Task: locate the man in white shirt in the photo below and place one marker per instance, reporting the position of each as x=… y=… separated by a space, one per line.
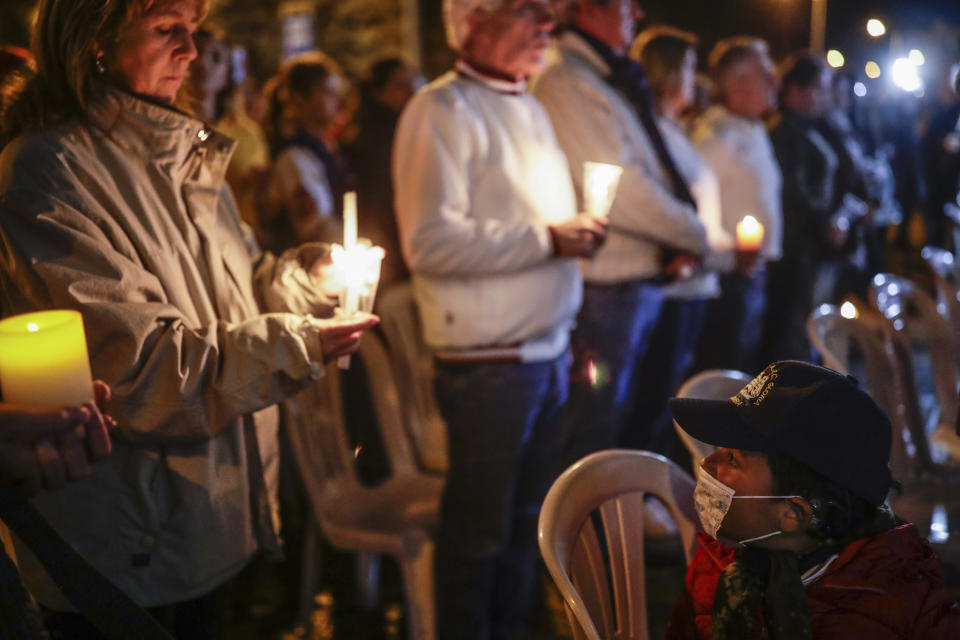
x=732 y=138
x=489 y=227
x=602 y=112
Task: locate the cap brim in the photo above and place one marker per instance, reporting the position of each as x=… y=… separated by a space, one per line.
x=716 y=422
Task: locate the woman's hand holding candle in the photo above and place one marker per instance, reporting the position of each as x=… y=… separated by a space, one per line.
x=579 y=237
x=340 y=335
x=45 y=448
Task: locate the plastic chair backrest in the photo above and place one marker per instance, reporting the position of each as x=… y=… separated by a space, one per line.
x=413 y=372
x=946 y=279
x=881 y=348
x=714 y=384
x=318 y=431
x=912 y=311
x=615 y=483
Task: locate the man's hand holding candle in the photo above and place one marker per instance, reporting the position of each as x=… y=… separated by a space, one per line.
x=580 y=237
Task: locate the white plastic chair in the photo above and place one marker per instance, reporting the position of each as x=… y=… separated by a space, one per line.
x=614 y=482
x=713 y=384
x=395 y=517
x=413 y=371
x=889 y=376
x=913 y=313
x=946 y=279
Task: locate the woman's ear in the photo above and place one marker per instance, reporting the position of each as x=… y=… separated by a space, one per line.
x=796 y=515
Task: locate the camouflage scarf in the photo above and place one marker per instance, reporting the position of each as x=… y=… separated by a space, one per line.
x=761 y=596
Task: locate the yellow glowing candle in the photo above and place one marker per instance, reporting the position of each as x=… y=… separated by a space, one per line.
x=600 y=182
x=749 y=234
x=43 y=360
x=349 y=220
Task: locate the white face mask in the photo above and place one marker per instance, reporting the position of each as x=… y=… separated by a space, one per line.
x=712 y=500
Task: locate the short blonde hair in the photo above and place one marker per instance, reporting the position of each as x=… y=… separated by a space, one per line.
x=661 y=50
x=66 y=39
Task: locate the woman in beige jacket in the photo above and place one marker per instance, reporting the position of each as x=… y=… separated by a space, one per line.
x=113 y=202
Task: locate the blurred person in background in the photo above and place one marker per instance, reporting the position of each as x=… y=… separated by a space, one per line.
x=216 y=78
x=866 y=177
x=390 y=83
x=603 y=111
x=733 y=139
x=309 y=178
x=490 y=231
x=816 y=215
x=670 y=59
x=113 y=203
x=942 y=155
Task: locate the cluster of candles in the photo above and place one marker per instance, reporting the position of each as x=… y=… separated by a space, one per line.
x=43 y=355
x=600 y=182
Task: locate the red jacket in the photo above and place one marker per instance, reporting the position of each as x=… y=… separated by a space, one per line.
x=889 y=587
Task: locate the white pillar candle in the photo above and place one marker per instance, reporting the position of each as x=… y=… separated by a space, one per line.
x=43 y=360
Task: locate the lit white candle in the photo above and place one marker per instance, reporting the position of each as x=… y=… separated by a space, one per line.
x=357 y=271
x=349 y=220
x=749 y=234
x=43 y=360
x=600 y=182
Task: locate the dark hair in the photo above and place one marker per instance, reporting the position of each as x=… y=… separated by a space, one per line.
x=661 y=50
x=802 y=69
x=304 y=72
x=381 y=70
x=840 y=515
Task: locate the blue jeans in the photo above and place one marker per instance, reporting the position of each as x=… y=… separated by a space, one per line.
x=502 y=420
x=613 y=333
x=663 y=368
x=732 y=338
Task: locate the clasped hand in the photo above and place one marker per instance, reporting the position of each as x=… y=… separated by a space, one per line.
x=44 y=449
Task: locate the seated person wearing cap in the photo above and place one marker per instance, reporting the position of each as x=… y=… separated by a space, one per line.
x=799 y=543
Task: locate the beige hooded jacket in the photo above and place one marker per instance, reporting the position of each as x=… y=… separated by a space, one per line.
x=126 y=218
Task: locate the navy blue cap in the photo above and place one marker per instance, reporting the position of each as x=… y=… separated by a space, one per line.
x=812 y=414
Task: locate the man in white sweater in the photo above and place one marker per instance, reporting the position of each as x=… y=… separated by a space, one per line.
x=732 y=138
x=489 y=228
x=602 y=110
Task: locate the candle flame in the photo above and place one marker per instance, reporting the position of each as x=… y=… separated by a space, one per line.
x=750 y=225
x=32 y=327
x=849 y=311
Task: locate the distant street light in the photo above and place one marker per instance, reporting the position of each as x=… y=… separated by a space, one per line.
x=916 y=57
x=859 y=89
x=905 y=76
x=872 y=70
x=876 y=28
x=835 y=59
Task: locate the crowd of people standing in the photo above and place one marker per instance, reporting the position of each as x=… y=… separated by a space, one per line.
x=184 y=224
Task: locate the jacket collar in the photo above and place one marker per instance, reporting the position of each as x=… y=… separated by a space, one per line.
x=573 y=44
x=491 y=79
x=162 y=134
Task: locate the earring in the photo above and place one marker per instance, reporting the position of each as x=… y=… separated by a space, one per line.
x=98 y=63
